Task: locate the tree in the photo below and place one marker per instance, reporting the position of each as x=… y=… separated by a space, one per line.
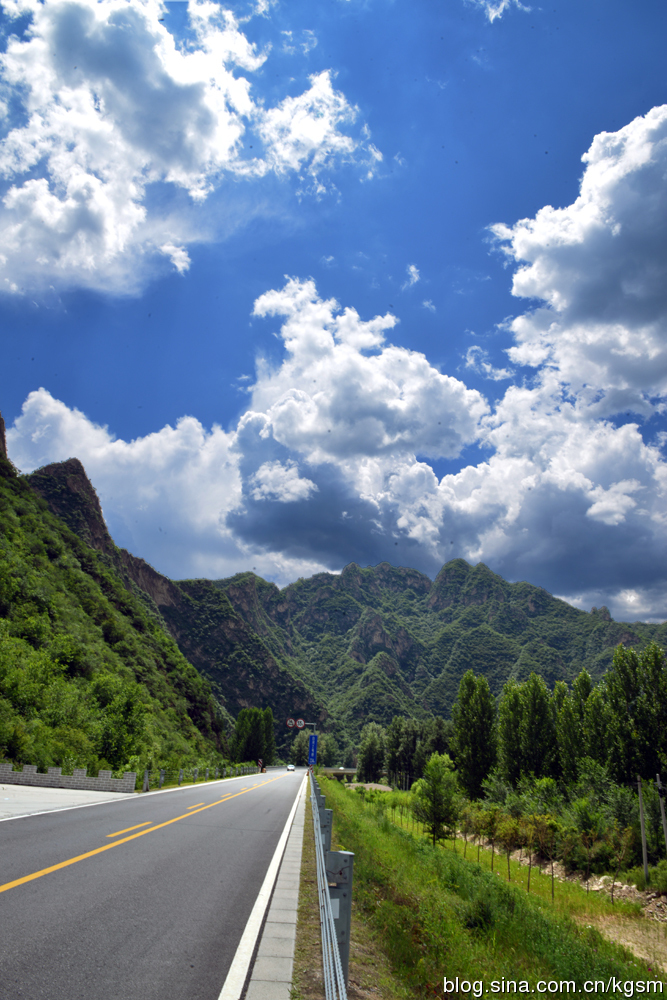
x=508 y=834
x=370 y=763
x=123 y=727
x=392 y=742
x=249 y=740
x=636 y=688
x=536 y=732
x=474 y=742
x=621 y=844
x=269 y=754
x=435 y=736
x=596 y=726
x=569 y=736
x=328 y=752
x=510 y=714
x=299 y=749
x=407 y=751
x=435 y=802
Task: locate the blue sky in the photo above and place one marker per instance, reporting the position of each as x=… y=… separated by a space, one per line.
x=303 y=284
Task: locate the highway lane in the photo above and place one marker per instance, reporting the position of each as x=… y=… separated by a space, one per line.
x=158 y=915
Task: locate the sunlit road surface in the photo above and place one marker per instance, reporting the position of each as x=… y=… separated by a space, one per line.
x=141 y=899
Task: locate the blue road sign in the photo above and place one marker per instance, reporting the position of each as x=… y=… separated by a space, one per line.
x=312 y=750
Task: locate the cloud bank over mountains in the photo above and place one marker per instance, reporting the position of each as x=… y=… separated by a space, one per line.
x=333 y=458
x=335 y=455
x=116 y=134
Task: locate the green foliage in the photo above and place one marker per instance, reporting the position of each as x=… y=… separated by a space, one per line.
x=436 y=911
x=373 y=643
x=370 y=763
x=474 y=742
x=253 y=738
x=435 y=798
x=87 y=677
x=299 y=749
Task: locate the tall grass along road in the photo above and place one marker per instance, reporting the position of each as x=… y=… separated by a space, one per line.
x=442 y=918
x=146 y=897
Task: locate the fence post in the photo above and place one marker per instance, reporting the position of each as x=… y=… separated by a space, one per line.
x=643 y=828
x=661 y=793
x=206 y=778
x=180 y=776
x=195 y=773
x=161 y=778
x=340 y=869
x=146 y=782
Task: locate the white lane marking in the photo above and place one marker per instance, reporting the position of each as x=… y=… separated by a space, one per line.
x=238 y=970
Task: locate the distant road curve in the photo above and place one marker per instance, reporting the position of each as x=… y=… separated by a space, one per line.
x=141 y=899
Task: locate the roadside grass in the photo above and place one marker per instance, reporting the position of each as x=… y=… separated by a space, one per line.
x=440 y=915
x=370 y=974
x=570 y=898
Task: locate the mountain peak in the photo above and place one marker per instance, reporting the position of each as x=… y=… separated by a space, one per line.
x=71 y=496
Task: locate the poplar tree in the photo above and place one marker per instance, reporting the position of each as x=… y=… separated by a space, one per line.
x=569 y=737
x=510 y=713
x=474 y=743
x=269 y=754
x=537 y=735
x=370 y=762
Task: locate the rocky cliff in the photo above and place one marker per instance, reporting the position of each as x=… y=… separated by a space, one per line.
x=220 y=643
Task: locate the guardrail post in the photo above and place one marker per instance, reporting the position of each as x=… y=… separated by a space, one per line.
x=340 y=869
x=146 y=782
x=161 y=778
x=326 y=822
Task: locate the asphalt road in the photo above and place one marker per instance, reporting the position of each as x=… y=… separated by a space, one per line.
x=159 y=915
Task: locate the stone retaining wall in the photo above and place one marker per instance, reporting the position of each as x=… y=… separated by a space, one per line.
x=55 y=779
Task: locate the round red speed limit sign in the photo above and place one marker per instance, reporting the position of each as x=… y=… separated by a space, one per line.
x=300 y=723
x=291 y=723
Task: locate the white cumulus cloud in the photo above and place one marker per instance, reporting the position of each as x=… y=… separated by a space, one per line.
x=111 y=106
x=336 y=455
x=600 y=267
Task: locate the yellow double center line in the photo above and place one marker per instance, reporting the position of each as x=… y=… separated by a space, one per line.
x=125 y=840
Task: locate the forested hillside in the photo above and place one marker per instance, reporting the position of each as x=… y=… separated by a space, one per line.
x=384 y=641
x=88 y=676
x=343 y=650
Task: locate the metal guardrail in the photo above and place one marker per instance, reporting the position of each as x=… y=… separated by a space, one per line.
x=335 y=899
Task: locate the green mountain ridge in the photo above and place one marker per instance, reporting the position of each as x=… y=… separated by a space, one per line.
x=384 y=640
x=88 y=677
x=345 y=649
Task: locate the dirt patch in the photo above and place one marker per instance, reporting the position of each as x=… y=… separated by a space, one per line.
x=369 y=786
x=646 y=939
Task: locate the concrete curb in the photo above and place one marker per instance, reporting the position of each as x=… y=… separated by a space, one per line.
x=271 y=974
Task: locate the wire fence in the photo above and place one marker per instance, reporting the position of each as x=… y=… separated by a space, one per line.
x=334 y=979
